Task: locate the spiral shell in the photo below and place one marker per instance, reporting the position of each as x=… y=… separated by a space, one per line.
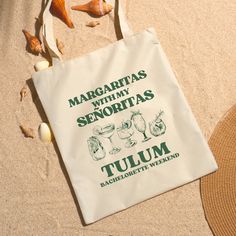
x=58 y=9
x=95 y=7
x=33 y=42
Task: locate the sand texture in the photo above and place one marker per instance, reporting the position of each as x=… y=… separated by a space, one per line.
x=36 y=197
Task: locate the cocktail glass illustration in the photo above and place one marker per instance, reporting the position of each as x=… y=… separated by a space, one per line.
x=140 y=124
x=95 y=148
x=125 y=131
x=106 y=132
x=157 y=127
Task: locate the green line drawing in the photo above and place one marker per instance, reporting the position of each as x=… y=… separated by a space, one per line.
x=107 y=131
x=125 y=132
x=157 y=127
x=96 y=149
x=140 y=124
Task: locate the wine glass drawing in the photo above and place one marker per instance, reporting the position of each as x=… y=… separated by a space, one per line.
x=125 y=131
x=140 y=124
x=107 y=131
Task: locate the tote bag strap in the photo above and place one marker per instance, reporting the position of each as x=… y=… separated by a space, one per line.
x=48 y=34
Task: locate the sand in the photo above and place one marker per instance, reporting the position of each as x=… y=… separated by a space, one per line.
x=36 y=196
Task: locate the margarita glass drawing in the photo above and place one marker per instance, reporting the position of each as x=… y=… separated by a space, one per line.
x=125 y=132
x=107 y=131
x=140 y=124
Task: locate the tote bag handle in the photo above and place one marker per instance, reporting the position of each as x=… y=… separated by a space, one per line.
x=48 y=34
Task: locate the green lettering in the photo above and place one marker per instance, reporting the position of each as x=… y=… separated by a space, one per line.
x=81 y=121
x=108 y=169
x=160 y=150
x=118 y=165
x=74 y=102
x=99 y=91
x=115 y=85
x=108 y=111
x=91 y=95
x=142 y=74
x=90 y=118
x=139 y=99
x=134 y=78
x=148 y=94
x=132 y=162
x=143 y=158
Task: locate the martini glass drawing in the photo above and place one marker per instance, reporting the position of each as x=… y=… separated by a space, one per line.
x=106 y=132
x=125 y=132
x=140 y=124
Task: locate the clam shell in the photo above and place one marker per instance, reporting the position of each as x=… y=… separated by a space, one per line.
x=41 y=65
x=44 y=132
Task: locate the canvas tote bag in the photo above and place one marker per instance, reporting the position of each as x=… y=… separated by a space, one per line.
x=122 y=124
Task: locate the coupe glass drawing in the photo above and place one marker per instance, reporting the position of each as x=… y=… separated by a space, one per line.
x=107 y=131
x=125 y=131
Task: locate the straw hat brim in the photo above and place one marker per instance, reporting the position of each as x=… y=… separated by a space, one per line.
x=218 y=190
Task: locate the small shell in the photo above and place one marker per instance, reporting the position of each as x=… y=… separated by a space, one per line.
x=45 y=133
x=96 y=7
x=41 y=65
x=58 y=9
x=28 y=132
x=33 y=42
x=60 y=46
x=93 y=23
x=23 y=93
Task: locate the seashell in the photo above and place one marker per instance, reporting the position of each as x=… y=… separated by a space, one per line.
x=33 y=42
x=45 y=133
x=58 y=9
x=28 y=132
x=23 y=93
x=93 y=23
x=41 y=65
x=60 y=46
x=96 y=7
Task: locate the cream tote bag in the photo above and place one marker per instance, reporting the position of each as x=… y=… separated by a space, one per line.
x=121 y=122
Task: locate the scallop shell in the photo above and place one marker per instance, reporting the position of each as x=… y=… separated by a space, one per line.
x=95 y=7
x=41 y=65
x=45 y=133
x=33 y=42
x=58 y=9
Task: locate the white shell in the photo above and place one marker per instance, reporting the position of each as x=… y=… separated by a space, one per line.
x=45 y=133
x=41 y=65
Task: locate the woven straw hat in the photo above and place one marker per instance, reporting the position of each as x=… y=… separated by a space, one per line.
x=218 y=190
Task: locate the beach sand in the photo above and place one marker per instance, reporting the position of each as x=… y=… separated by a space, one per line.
x=36 y=196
